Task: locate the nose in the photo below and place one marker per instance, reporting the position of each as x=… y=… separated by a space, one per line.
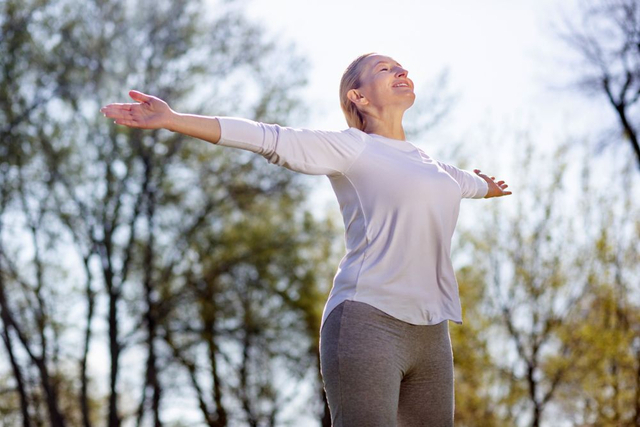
x=401 y=72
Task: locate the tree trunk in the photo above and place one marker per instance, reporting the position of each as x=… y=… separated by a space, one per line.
x=533 y=391
x=50 y=393
x=244 y=374
x=629 y=131
x=151 y=320
x=114 y=351
x=84 y=395
x=221 y=413
x=637 y=396
x=17 y=372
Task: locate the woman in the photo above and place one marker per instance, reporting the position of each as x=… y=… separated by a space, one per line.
x=385 y=350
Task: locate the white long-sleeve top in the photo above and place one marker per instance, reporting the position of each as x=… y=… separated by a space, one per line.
x=399 y=206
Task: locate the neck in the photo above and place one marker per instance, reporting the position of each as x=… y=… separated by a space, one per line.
x=389 y=127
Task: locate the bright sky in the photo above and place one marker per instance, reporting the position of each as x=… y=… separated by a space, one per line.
x=501 y=53
x=502 y=56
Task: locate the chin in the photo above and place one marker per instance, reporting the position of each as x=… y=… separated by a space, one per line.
x=410 y=101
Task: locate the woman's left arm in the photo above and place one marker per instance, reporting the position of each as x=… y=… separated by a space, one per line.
x=496 y=189
x=476 y=185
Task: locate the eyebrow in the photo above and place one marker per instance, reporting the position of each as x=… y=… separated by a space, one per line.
x=386 y=62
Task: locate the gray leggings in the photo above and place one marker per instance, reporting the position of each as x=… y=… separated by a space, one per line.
x=379 y=371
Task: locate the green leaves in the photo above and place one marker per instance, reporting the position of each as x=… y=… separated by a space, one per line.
x=550 y=302
x=191 y=258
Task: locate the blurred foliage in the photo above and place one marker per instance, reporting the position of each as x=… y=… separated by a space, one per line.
x=552 y=305
x=135 y=266
x=143 y=273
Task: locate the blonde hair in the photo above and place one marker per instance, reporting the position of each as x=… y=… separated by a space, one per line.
x=351 y=80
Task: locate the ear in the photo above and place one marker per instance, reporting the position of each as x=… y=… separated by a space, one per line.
x=357 y=97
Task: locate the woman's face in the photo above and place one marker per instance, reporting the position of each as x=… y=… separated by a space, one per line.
x=383 y=83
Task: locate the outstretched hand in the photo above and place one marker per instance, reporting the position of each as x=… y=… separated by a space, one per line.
x=148 y=112
x=496 y=189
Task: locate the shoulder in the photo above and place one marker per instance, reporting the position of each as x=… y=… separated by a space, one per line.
x=345 y=135
x=353 y=138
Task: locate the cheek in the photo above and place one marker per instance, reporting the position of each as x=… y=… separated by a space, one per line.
x=380 y=82
x=375 y=88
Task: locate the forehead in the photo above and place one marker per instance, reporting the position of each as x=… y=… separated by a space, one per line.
x=375 y=59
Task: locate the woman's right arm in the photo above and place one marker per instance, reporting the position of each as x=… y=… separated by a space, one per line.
x=153 y=113
x=301 y=150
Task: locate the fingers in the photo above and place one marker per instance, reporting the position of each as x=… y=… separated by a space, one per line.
x=128 y=122
x=113 y=107
x=501 y=185
x=115 y=111
x=123 y=114
x=139 y=96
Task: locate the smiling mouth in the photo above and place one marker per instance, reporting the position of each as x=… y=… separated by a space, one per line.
x=401 y=85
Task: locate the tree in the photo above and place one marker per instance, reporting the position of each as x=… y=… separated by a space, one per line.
x=167 y=235
x=549 y=297
x=607 y=39
x=475 y=370
x=603 y=338
x=533 y=288
x=250 y=281
x=26 y=302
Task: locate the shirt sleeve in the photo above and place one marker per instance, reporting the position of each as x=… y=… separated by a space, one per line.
x=301 y=150
x=472 y=186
